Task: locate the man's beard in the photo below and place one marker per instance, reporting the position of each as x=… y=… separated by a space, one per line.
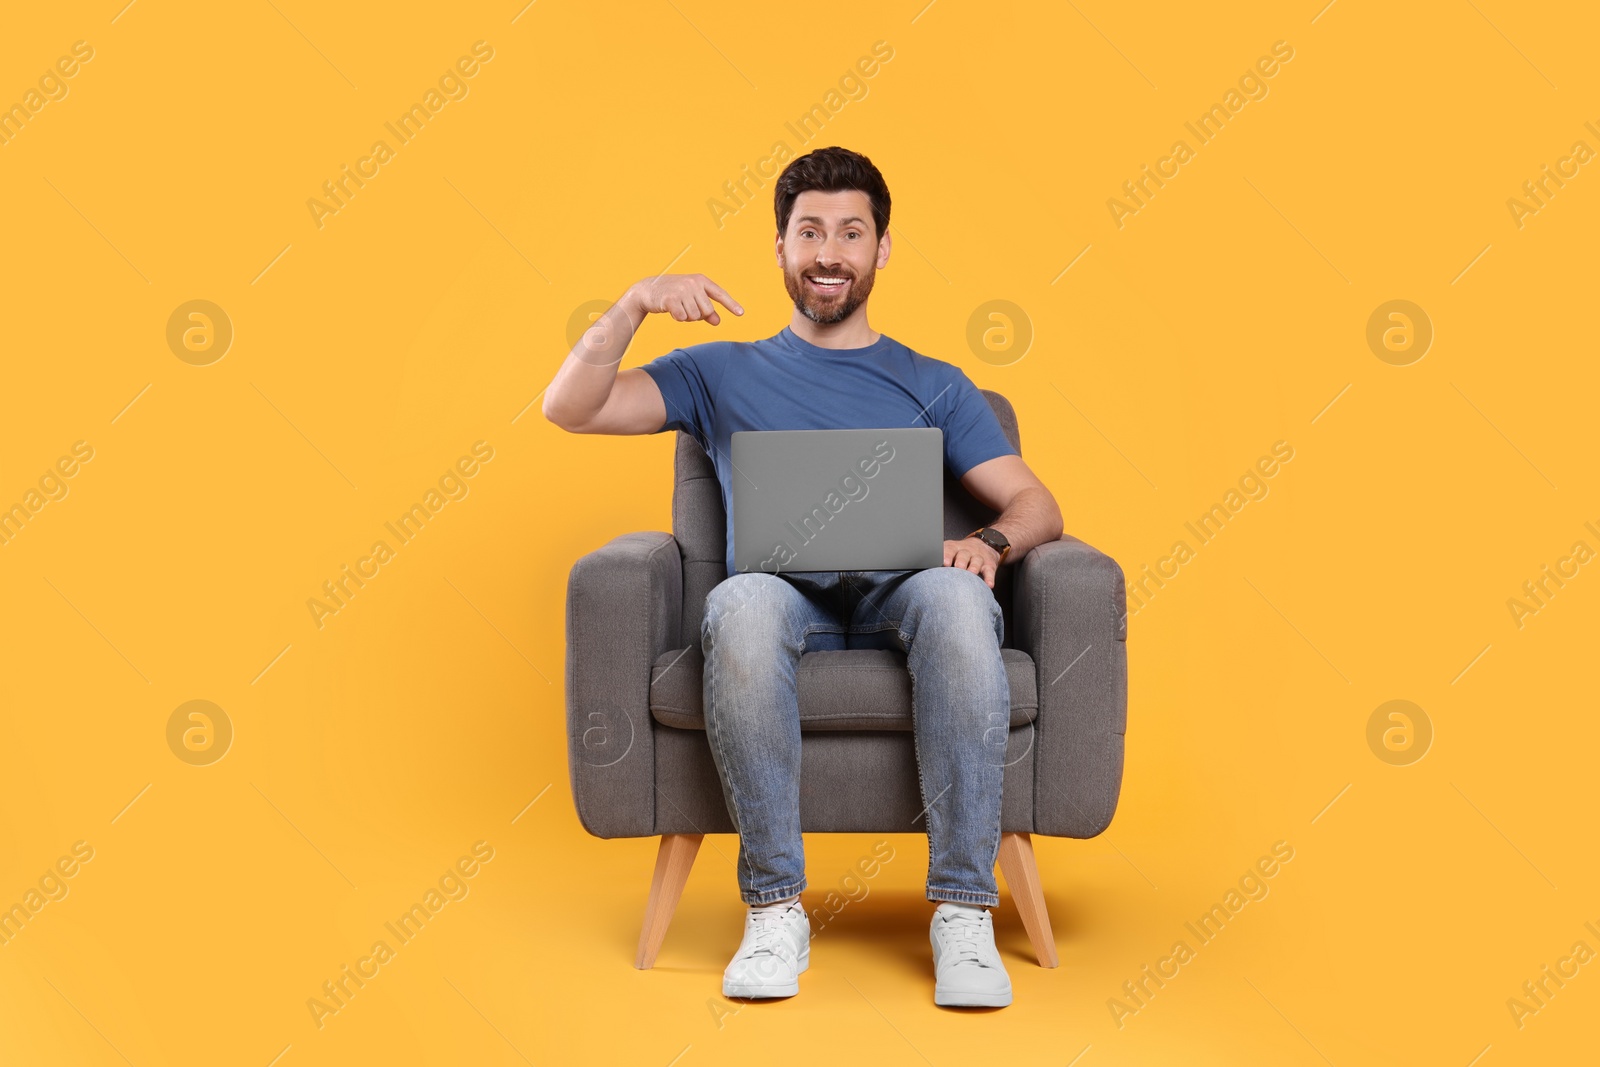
x=825 y=309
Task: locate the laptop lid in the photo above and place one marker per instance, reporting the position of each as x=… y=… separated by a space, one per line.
x=838 y=500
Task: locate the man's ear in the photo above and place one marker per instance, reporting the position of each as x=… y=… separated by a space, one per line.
x=883 y=250
x=779 y=247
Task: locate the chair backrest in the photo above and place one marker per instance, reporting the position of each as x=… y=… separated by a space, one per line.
x=699 y=523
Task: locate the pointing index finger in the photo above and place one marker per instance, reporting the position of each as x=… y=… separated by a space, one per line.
x=723 y=298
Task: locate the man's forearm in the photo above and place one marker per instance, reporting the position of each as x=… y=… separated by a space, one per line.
x=1032 y=519
x=583 y=383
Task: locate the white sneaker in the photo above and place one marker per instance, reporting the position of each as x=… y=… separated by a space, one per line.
x=966 y=965
x=775 y=949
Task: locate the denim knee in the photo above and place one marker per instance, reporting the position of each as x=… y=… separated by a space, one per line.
x=750 y=619
x=961 y=607
x=736 y=595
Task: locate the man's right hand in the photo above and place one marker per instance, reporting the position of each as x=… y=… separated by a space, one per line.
x=686 y=297
x=589 y=395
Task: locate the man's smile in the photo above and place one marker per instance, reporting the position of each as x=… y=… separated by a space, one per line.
x=828 y=283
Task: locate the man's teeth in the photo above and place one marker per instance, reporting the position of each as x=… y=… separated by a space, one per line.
x=829 y=281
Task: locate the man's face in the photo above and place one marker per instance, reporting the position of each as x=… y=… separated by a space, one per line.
x=831 y=254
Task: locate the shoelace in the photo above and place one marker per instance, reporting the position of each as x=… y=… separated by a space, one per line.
x=962 y=931
x=767 y=933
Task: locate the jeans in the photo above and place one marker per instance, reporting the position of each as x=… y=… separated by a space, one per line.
x=947 y=622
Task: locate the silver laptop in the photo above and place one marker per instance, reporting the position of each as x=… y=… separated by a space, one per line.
x=838 y=500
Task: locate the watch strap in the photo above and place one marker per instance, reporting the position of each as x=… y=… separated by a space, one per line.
x=1003 y=551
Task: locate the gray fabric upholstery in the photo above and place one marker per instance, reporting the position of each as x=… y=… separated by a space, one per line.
x=698 y=522
x=851 y=781
x=1073 y=618
x=624 y=601
x=639 y=761
x=848 y=689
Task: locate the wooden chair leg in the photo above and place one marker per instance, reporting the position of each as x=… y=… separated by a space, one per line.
x=674 y=859
x=1022 y=876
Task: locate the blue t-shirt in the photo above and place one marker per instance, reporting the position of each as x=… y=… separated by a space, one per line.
x=787 y=383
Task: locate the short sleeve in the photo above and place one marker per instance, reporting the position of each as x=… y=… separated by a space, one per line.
x=972 y=432
x=687 y=389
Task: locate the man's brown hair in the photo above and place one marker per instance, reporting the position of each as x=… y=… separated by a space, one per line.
x=832 y=170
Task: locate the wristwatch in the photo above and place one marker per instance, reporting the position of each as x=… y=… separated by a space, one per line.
x=994 y=539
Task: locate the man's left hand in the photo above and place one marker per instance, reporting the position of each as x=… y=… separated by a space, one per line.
x=973 y=555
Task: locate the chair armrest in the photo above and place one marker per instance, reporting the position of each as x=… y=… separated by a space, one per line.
x=624 y=609
x=1072 y=618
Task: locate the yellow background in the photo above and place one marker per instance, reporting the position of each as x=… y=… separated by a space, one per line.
x=428 y=313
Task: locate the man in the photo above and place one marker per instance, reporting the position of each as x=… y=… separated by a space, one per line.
x=829 y=369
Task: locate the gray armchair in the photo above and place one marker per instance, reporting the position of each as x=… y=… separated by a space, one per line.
x=637 y=750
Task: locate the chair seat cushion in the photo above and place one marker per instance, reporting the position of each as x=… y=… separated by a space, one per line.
x=849 y=689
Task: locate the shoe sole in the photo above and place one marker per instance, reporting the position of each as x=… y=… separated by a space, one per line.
x=947 y=999
x=754 y=991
